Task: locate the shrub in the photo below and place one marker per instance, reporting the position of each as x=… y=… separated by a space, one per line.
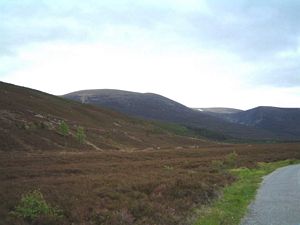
x=231 y=160
x=80 y=134
x=168 y=167
x=40 y=125
x=33 y=205
x=218 y=165
x=63 y=128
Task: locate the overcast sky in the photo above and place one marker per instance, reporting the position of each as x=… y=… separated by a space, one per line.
x=230 y=53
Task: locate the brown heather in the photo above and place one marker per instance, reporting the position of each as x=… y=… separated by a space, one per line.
x=127 y=171
x=149 y=187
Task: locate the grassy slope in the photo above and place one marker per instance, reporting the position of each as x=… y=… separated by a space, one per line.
x=232 y=206
x=29 y=120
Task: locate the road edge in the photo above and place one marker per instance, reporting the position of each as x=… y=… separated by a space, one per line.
x=231 y=207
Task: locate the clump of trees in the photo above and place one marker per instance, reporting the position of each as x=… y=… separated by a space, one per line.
x=64 y=130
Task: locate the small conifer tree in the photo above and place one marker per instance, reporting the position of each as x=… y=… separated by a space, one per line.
x=80 y=134
x=64 y=128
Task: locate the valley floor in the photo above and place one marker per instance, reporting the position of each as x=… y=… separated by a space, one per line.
x=115 y=187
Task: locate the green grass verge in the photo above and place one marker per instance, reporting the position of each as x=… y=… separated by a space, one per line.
x=231 y=207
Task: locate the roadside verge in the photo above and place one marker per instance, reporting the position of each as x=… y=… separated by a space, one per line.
x=231 y=207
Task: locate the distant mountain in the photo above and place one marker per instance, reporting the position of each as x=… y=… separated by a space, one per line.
x=284 y=122
x=148 y=105
x=157 y=107
x=219 y=110
x=30 y=120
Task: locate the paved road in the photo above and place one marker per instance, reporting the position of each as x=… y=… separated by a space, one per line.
x=278 y=199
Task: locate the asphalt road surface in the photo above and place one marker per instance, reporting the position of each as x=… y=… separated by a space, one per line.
x=278 y=199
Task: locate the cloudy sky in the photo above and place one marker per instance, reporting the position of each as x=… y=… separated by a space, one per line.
x=202 y=53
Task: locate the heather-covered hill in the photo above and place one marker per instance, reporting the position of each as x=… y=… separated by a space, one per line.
x=30 y=120
x=157 y=107
x=284 y=122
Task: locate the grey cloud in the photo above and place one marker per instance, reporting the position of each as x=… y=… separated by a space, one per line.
x=280 y=77
x=28 y=22
x=252 y=29
x=24 y=23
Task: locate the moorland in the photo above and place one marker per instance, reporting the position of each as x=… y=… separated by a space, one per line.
x=125 y=171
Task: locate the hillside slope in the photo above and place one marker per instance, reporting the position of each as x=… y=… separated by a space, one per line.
x=29 y=120
x=157 y=107
x=281 y=121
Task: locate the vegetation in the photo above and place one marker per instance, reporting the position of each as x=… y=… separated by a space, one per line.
x=80 y=135
x=33 y=205
x=214 y=135
x=171 y=127
x=64 y=128
x=231 y=160
x=127 y=187
x=189 y=131
x=230 y=209
x=137 y=185
x=34 y=120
